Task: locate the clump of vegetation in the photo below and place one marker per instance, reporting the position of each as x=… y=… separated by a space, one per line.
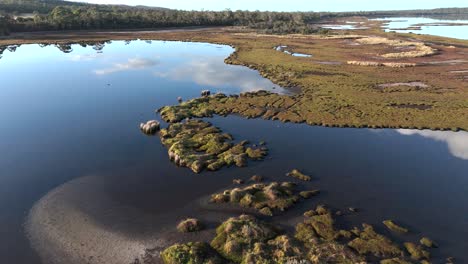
x=299 y=175
x=416 y=251
x=198 y=145
x=256 y=178
x=319 y=224
x=309 y=194
x=150 y=127
x=394 y=227
x=237 y=236
x=425 y=241
x=394 y=261
x=190 y=225
x=191 y=253
x=370 y=242
x=265 y=198
x=282 y=249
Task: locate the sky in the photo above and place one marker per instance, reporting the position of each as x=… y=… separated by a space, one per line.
x=290 y=5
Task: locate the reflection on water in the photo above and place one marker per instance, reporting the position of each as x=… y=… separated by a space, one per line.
x=161 y=60
x=131 y=64
x=212 y=72
x=66 y=115
x=421 y=25
x=457 y=142
x=345 y=27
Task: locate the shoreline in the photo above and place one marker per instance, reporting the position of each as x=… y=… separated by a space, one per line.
x=327 y=97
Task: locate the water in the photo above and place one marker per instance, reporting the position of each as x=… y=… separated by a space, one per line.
x=295 y=54
x=348 y=26
x=72 y=118
x=438 y=27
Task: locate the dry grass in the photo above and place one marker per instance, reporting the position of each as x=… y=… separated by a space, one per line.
x=385 y=64
x=419 y=48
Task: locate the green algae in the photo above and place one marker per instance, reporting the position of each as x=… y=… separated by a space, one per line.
x=191 y=253
x=265 y=198
x=198 y=145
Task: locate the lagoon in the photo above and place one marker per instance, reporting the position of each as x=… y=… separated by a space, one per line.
x=72 y=152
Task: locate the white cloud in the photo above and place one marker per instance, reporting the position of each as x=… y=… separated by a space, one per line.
x=131 y=64
x=457 y=142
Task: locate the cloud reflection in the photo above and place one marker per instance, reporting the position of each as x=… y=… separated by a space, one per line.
x=215 y=73
x=131 y=64
x=457 y=142
x=85 y=57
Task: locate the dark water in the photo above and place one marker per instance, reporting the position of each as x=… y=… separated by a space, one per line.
x=65 y=116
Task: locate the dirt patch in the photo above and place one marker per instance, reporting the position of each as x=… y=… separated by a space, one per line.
x=409 y=84
x=412 y=106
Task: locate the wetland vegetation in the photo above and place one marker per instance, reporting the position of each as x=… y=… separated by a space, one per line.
x=367 y=79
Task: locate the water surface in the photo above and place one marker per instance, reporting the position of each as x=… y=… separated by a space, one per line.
x=429 y=26
x=72 y=118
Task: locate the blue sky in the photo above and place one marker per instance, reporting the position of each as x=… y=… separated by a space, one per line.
x=290 y=5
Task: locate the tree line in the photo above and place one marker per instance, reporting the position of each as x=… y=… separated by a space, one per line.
x=44 y=15
x=92 y=17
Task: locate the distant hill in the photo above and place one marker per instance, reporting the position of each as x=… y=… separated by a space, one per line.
x=46 y=6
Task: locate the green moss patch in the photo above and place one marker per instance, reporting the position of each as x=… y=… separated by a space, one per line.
x=238 y=236
x=265 y=198
x=394 y=227
x=370 y=242
x=191 y=253
x=199 y=145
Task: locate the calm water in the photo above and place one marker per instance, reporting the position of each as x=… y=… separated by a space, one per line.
x=429 y=26
x=73 y=116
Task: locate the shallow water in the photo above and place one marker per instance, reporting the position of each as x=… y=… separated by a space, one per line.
x=347 y=26
x=73 y=118
x=285 y=50
x=430 y=26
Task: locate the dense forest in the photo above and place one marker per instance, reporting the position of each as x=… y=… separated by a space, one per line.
x=42 y=15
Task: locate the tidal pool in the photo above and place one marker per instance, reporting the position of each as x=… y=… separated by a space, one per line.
x=421 y=25
x=72 y=152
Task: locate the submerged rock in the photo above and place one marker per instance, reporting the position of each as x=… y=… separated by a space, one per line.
x=198 y=145
x=265 y=198
x=298 y=175
x=191 y=253
x=150 y=127
x=394 y=227
x=190 y=225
